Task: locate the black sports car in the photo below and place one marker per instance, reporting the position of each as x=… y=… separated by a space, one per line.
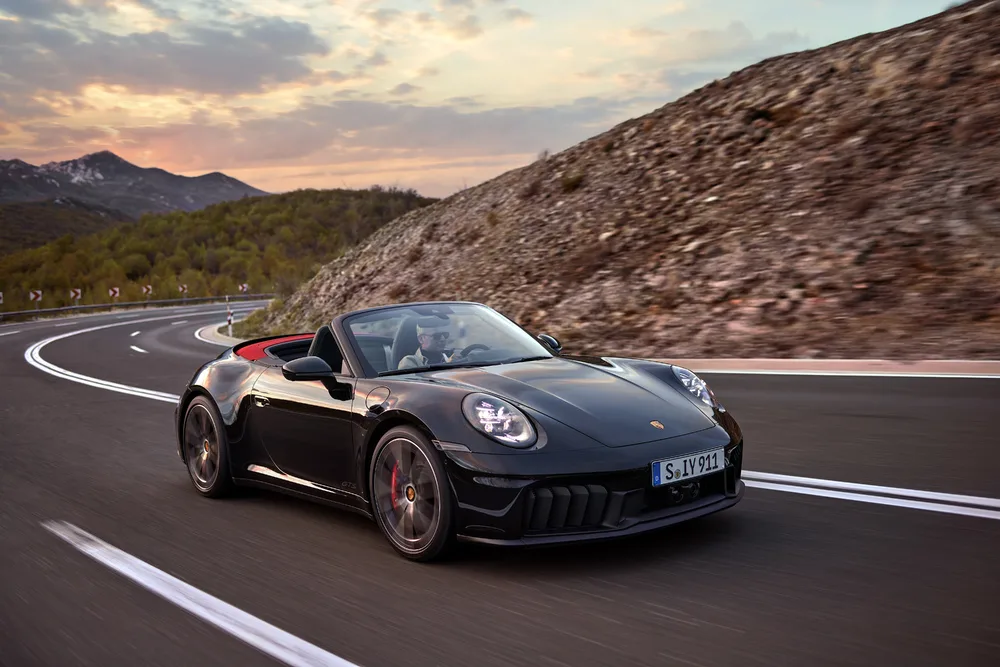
x=445 y=420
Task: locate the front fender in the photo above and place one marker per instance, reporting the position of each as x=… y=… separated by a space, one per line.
x=227 y=380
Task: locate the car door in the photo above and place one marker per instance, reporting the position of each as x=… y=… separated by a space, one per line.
x=307 y=430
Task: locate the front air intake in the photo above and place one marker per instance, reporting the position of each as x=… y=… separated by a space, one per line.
x=573 y=506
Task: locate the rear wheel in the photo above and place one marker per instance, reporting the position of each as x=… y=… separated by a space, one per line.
x=206 y=450
x=410 y=495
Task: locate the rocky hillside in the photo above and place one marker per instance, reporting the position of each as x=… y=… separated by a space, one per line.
x=105 y=179
x=840 y=202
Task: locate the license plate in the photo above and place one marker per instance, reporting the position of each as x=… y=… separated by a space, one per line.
x=678 y=469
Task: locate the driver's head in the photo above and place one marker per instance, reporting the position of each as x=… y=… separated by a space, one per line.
x=433 y=333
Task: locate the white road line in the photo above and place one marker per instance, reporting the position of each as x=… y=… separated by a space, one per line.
x=180 y=322
x=10 y=333
x=263 y=636
x=202 y=338
x=878 y=500
x=135 y=333
x=33 y=356
x=873 y=488
x=64 y=324
x=138 y=349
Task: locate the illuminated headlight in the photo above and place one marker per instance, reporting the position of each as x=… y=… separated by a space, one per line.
x=499 y=420
x=697 y=386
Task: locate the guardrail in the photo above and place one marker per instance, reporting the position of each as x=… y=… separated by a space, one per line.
x=131 y=304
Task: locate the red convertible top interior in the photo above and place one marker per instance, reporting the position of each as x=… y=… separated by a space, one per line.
x=256 y=350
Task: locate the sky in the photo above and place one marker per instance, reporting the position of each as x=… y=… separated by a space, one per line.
x=434 y=95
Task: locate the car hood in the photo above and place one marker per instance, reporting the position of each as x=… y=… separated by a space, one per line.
x=601 y=405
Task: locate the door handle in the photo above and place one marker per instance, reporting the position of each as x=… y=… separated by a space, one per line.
x=260 y=401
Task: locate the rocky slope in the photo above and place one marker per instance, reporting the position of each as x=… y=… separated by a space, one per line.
x=105 y=179
x=840 y=202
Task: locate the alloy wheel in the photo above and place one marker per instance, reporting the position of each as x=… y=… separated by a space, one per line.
x=407 y=494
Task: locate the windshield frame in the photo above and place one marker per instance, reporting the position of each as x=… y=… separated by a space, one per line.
x=536 y=348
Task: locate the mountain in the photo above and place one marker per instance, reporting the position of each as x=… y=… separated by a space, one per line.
x=31 y=224
x=837 y=202
x=272 y=243
x=106 y=180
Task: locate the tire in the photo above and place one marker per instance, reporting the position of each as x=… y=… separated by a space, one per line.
x=203 y=432
x=405 y=455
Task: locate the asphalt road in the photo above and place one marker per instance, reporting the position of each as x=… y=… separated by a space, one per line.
x=781 y=579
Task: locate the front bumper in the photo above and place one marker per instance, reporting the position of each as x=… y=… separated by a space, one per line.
x=501 y=509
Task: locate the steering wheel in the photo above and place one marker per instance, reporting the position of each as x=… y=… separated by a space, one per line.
x=471 y=348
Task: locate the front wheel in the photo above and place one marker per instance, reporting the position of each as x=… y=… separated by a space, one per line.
x=206 y=450
x=410 y=495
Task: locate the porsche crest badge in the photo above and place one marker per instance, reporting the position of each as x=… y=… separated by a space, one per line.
x=657 y=424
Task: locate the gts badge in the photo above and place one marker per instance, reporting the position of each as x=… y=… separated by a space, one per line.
x=349 y=485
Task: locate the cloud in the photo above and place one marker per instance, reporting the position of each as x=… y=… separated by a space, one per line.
x=47 y=9
x=428 y=71
x=467 y=28
x=247 y=57
x=352 y=131
x=707 y=46
x=383 y=17
x=405 y=89
x=518 y=15
x=376 y=59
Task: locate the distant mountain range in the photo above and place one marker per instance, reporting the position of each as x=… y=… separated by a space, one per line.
x=102 y=185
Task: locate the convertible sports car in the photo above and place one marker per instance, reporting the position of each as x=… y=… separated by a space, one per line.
x=446 y=421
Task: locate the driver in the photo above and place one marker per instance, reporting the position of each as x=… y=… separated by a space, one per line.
x=432 y=334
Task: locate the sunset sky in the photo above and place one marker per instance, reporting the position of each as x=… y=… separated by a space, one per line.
x=429 y=94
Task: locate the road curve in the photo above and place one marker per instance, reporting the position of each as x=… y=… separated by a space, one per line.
x=781 y=579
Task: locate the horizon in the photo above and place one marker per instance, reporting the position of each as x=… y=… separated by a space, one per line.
x=413 y=94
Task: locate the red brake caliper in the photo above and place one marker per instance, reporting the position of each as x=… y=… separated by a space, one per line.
x=395 y=485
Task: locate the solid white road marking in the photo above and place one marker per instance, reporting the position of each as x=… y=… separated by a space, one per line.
x=33 y=356
x=953 y=498
x=138 y=349
x=751 y=478
x=263 y=636
x=64 y=324
x=10 y=333
x=134 y=334
x=200 y=336
x=878 y=500
x=180 y=322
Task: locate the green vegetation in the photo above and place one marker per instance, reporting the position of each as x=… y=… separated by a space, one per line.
x=31 y=224
x=272 y=243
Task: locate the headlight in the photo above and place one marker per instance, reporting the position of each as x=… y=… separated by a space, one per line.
x=697 y=386
x=499 y=420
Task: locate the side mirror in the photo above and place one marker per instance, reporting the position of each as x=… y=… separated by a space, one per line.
x=551 y=342
x=307 y=368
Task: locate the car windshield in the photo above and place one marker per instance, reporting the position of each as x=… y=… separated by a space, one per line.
x=407 y=339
